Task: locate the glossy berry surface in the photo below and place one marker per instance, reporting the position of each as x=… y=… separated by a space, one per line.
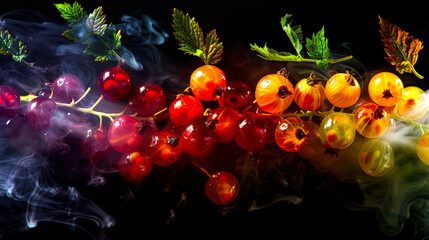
x=222 y=120
x=342 y=90
x=134 y=166
x=371 y=120
x=414 y=103
x=237 y=95
x=185 y=109
x=9 y=101
x=222 y=188
x=422 y=148
x=292 y=134
x=252 y=131
x=146 y=99
x=66 y=88
x=39 y=112
x=124 y=134
x=114 y=84
x=274 y=93
x=385 y=89
x=376 y=158
x=314 y=148
x=309 y=94
x=208 y=82
x=163 y=148
x=197 y=139
x=95 y=145
x=337 y=131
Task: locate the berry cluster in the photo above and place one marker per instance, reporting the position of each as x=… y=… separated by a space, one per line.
x=250 y=119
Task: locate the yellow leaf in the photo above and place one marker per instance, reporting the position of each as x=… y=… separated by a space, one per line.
x=401 y=48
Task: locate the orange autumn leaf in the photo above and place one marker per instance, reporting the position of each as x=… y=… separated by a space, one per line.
x=401 y=48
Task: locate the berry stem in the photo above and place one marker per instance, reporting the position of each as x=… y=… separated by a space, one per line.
x=423 y=127
x=202 y=169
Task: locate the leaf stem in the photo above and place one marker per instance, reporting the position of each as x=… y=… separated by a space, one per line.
x=107 y=45
x=416 y=73
x=330 y=60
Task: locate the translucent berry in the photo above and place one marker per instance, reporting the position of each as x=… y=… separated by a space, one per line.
x=40 y=111
x=237 y=95
x=222 y=188
x=252 y=131
x=185 y=109
x=146 y=99
x=114 y=84
x=67 y=87
x=134 y=166
x=197 y=139
x=207 y=82
x=163 y=148
x=292 y=134
x=376 y=158
x=124 y=134
x=9 y=101
x=274 y=93
x=385 y=89
x=222 y=120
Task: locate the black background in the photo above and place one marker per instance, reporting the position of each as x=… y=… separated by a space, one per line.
x=322 y=214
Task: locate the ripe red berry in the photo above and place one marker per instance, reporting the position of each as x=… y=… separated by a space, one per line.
x=252 y=131
x=114 y=84
x=146 y=99
x=197 y=139
x=163 y=148
x=207 y=82
x=222 y=188
x=185 y=109
x=237 y=95
x=124 y=134
x=134 y=166
x=222 y=120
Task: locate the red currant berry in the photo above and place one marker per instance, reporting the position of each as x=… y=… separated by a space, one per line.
x=185 y=109
x=292 y=134
x=124 y=134
x=9 y=101
x=146 y=99
x=39 y=112
x=207 y=82
x=114 y=84
x=237 y=95
x=222 y=188
x=252 y=131
x=197 y=139
x=95 y=145
x=134 y=166
x=163 y=148
x=222 y=121
x=67 y=87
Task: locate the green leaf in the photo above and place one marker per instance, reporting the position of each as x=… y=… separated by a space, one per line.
x=71 y=13
x=317 y=48
x=273 y=55
x=11 y=46
x=191 y=38
x=103 y=47
x=101 y=40
x=323 y=63
x=188 y=33
x=212 y=49
x=96 y=22
x=294 y=33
